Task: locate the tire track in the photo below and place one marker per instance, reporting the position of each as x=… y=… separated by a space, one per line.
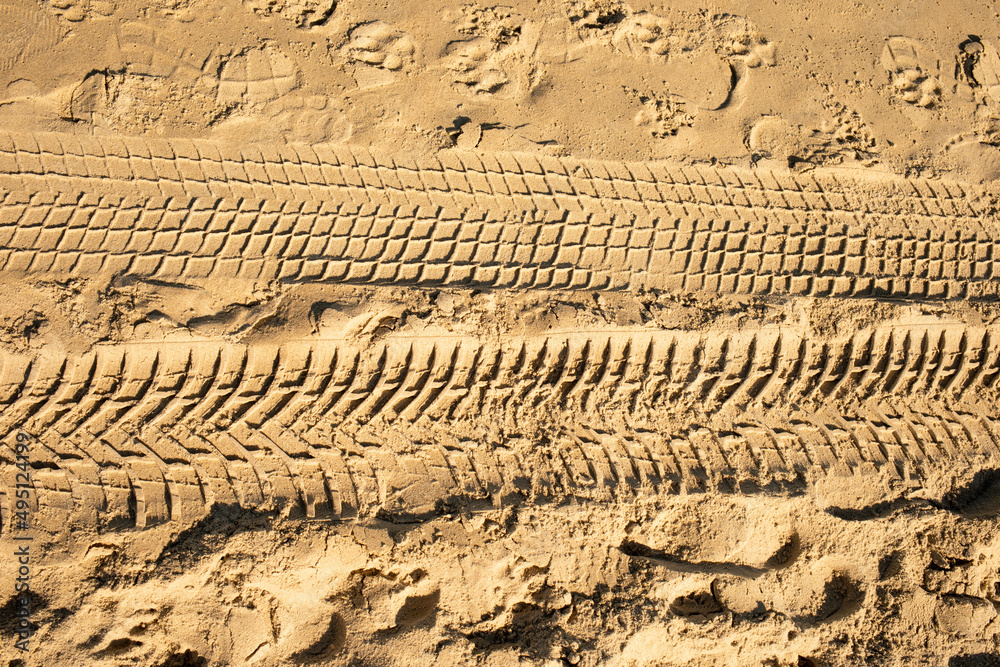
x=685 y=249
x=318 y=429
x=54 y=162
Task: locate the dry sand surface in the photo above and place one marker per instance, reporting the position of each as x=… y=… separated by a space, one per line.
x=552 y=332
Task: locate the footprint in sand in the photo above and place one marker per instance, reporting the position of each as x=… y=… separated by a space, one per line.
x=739 y=559
x=743 y=42
x=303 y=13
x=981 y=66
x=498 y=58
x=672 y=66
x=309 y=119
x=839 y=137
x=657 y=38
x=256 y=76
x=974 y=574
x=252 y=93
x=401 y=601
x=477 y=67
x=26 y=31
x=814 y=594
x=810 y=593
x=731 y=537
x=691 y=67
x=915 y=70
x=381 y=46
x=663 y=116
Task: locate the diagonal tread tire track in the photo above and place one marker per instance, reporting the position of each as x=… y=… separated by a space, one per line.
x=311 y=476
x=138 y=434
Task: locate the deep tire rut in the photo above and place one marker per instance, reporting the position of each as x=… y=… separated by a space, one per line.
x=142 y=433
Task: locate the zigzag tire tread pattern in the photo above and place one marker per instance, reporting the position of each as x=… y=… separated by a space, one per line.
x=139 y=434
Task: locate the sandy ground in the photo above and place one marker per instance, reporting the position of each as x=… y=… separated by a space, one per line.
x=570 y=332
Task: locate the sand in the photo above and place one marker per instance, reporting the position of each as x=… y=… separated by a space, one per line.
x=571 y=332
